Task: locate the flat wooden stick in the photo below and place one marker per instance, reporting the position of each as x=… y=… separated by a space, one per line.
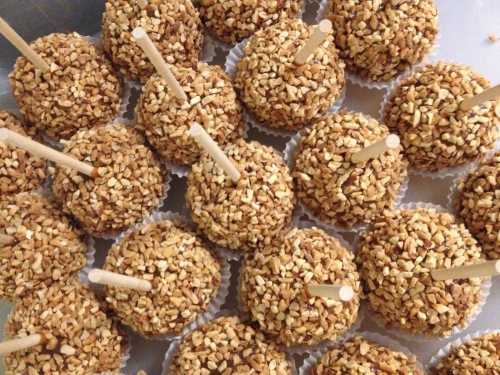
x=19 y=344
x=116 y=280
x=319 y=35
x=209 y=145
x=12 y=138
x=374 y=150
x=10 y=34
x=143 y=40
x=485 y=269
x=492 y=93
x=342 y=293
x=6 y=240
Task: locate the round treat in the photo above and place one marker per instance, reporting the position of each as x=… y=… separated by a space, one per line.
x=395 y=258
x=80 y=91
x=184 y=276
x=166 y=120
x=129 y=184
x=250 y=213
x=78 y=337
x=46 y=247
x=234 y=20
x=227 y=346
x=379 y=39
x=19 y=170
x=360 y=356
x=334 y=188
x=479 y=205
x=436 y=134
x=280 y=93
x=174 y=26
x=274 y=288
x=478 y=356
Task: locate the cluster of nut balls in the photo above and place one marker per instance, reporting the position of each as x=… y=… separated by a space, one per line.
x=300 y=286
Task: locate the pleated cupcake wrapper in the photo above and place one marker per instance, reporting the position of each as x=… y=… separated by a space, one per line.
x=446 y=172
x=443 y=352
x=315 y=356
x=175 y=344
x=303 y=349
x=378 y=85
x=233 y=58
x=289 y=156
x=217 y=301
x=405 y=335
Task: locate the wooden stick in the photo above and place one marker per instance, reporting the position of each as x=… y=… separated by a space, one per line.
x=319 y=35
x=492 y=93
x=6 y=240
x=12 y=138
x=19 y=344
x=10 y=34
x=485 y=269
x=374 y=150
x=143 y=40
x=209 y=145
x=342 y=293
x=116 y=280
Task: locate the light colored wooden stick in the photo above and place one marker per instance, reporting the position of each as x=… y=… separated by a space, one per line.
x=10 y=34
x=143 y=40
x=209 y=145
x=374 y=150
x=12 y=138
x=492 y=93
x=6 y=240
x=116 y=280
x=19 y=344
x=485 y=269
x=342 y=293
x=319 y=35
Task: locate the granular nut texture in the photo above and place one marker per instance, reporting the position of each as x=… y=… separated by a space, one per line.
x=184 y=275
x=331 y=185
x=166 y=120
x=80 y=91
x=128 y=185
x=395 y=258
x=478 y=205
x=46 y=248
x=174 y=26
x=77 y=336
x=478 y=356
x=234 y=20
x=280 y=93
x=359 y=356
x=247 y=214
x=435 y=133
x=274 y=288
x=229 y=347
x=19 y=170
x=379 y=39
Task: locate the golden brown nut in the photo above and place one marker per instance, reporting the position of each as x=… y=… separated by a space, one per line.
x=174 y=26
x=274 y=288
x=80 y=91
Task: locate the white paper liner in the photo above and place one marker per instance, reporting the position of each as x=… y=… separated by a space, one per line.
x=314 y=356
x=405 y=335
x=301 y=349
x=289 y=156
x=233 y=58
x=379 y=85
x=218 y=299
x=446 y=172
x=174 y=347
x=443 y=352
